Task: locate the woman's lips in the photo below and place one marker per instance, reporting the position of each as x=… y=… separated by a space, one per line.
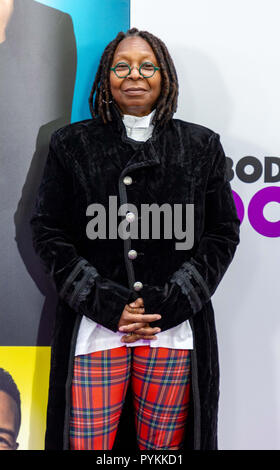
x=135 y=91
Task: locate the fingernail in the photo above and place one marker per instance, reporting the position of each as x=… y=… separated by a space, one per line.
x=121 y=328
x=133 y=304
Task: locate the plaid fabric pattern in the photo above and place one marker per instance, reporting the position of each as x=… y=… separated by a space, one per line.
x=161 y=388
x=160 y=380
x=99 y=386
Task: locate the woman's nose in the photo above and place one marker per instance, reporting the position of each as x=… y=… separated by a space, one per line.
x=134 y=73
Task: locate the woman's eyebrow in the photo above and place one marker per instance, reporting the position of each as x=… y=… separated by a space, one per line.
x=124 y=56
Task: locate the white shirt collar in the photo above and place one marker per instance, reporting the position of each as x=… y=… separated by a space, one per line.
x=138 y=121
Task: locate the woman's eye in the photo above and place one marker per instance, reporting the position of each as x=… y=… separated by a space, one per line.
x=121 y=67
x=147 y=66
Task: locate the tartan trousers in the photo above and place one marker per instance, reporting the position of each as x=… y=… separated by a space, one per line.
x=160 y=380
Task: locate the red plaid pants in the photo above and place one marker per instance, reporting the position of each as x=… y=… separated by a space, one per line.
x=160 y=380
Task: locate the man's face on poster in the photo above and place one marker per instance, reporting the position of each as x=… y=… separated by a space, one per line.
x=8 y=422
x=6 y=10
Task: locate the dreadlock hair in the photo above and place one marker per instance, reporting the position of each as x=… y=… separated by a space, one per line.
x=167 y=101
x=8 y=386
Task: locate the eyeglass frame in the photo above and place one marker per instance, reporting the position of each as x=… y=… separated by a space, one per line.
x=138 y=68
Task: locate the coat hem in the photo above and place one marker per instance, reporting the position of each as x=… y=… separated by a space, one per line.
x=69 y=384
x=195 y=391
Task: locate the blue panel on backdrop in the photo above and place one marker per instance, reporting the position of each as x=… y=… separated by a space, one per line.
x=96 y=22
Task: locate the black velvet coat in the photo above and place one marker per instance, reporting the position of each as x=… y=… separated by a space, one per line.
x=182 y=163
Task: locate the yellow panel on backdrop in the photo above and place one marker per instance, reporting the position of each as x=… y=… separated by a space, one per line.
x=29 y=368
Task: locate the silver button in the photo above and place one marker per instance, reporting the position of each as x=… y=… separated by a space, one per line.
x=127 y=180
x=130 y=217
x=137 y=285
x=132 y=254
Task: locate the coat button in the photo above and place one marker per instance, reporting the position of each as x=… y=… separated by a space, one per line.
x=137 y=285
x=130 y=217
x=132 y=254
x=127 y=180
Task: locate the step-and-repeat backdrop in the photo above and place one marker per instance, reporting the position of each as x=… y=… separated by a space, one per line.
x=226 y=55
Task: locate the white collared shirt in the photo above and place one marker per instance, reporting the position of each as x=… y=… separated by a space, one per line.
x=139 y=128
x=93 y=337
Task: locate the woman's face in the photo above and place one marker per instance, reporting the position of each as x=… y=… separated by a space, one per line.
x=135 y=94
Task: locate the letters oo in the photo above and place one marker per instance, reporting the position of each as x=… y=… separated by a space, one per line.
x=255 y=210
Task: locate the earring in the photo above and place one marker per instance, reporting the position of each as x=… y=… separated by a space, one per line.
x=104 y=101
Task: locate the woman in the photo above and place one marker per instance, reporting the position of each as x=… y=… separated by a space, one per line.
x=134 y=353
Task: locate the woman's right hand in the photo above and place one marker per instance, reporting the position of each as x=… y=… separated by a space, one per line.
x=134 y=319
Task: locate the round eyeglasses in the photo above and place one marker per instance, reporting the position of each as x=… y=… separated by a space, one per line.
x=122 y=69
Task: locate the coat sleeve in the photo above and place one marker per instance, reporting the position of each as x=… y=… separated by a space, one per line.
x=189 y=288
x=76 y=281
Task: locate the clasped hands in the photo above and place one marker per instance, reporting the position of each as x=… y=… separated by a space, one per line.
x=133 y=319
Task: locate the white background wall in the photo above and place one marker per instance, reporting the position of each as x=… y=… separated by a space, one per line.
x=227 y=57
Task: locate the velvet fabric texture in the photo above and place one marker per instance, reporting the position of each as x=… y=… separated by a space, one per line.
x=182 y=163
